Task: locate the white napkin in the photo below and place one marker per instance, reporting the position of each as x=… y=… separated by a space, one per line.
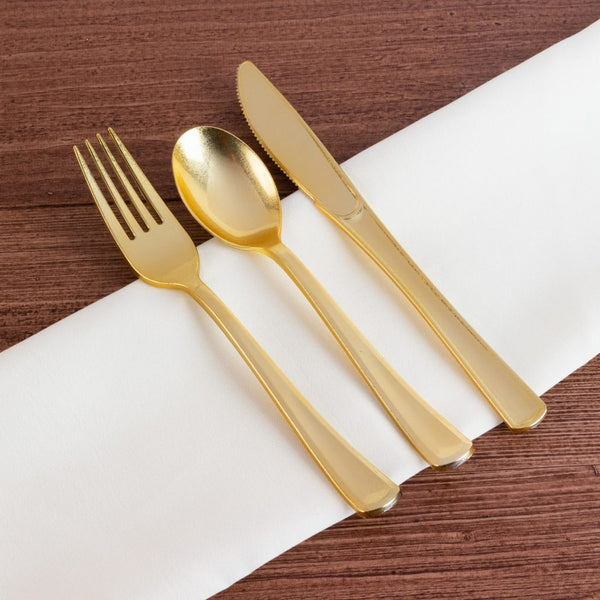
x=139 y=458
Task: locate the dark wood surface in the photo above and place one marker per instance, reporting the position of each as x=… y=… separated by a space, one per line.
x=522 y=518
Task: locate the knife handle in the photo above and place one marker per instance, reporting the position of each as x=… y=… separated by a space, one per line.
x=366 y=489
x=518 y=405
x=436 y=440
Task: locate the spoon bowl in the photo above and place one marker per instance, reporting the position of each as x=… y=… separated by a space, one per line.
x=213 y=170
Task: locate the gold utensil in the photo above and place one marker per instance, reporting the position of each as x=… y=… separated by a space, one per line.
x=163 y=254
x=301 y=155
x=229 y=191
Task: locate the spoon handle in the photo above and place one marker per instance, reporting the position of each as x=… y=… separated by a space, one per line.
x=366 y=489
x=436 y=440
x=515 y=402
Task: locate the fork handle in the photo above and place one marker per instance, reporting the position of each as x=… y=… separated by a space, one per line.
x=368 y=491
x=515 y=402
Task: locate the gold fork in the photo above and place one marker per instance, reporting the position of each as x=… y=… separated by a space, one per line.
x=164 y=255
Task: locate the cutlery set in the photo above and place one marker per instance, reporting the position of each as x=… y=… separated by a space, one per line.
x=230 y=192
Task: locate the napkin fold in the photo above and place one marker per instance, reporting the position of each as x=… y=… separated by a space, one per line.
x=140 y=459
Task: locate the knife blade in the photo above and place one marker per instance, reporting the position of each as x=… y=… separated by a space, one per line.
x=293 y=146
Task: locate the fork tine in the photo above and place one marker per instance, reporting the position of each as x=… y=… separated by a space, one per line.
x=134 y=197
x=114 y=192
x=147 y=188
x=108 y=215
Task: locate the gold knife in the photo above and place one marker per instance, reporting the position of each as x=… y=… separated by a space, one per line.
x=301 y=155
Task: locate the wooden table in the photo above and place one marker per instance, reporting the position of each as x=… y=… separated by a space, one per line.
x=522 y=518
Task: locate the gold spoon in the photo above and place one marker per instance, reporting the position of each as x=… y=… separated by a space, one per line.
x=229 y=191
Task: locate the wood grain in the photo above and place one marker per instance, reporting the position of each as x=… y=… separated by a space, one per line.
x=522 y=518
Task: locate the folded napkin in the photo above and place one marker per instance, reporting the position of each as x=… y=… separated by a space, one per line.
x=140 y=459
